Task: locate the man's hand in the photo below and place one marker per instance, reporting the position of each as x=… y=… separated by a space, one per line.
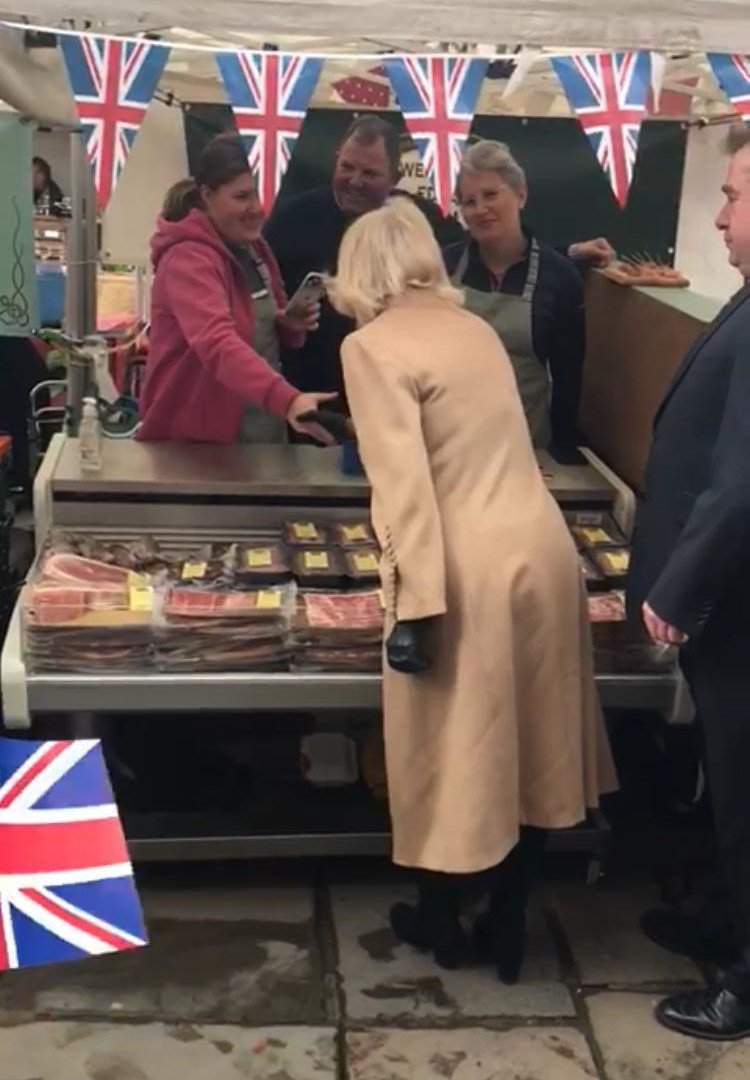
x=598 y=252
x=304 y=318
x=306 y=403
x=660 y=631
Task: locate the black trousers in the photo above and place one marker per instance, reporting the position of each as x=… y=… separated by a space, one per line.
x=717 y=668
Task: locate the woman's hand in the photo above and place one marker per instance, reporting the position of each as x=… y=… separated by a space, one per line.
x=303 y=319
x=307 y=403
x=598 y=252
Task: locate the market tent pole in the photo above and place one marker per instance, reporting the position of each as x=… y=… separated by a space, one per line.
x=80 y=304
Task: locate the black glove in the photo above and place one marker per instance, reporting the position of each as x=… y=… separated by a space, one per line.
x=406 y=649
x=338 y=426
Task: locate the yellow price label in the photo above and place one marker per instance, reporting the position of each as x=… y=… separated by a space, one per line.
x=138 y=580
x=354 y=533
x=317 y=560
x=618 y=560
x=257 y=557
x=141 y=598
x=193 y=570
x=269 y=600
x=595 y=536
x=305 y=531
x=366 y=563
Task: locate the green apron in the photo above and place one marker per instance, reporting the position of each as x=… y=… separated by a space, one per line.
x=511 y=318
x=259 y=426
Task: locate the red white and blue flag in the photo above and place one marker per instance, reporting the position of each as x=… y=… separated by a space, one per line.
x=269 y=93
x=113 y=83
x=732 y=72
x=609 y=94
x=66 y=883
x=438 y=97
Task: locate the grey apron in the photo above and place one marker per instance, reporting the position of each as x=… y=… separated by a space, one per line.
x=511 y=318
x=259 y=426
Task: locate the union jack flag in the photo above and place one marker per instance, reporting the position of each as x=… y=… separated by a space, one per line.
x=437 y=97
x=269 y=93
x=66 y=884
x=733 y=75
x=113 y=83
x=609 y=93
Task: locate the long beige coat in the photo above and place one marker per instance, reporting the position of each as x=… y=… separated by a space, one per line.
x=505 y=729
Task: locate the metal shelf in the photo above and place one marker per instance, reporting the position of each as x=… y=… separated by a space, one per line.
x=271 y=692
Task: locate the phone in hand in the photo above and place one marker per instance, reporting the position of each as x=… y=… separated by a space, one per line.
x=311 y=291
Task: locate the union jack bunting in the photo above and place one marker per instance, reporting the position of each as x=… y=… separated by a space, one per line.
x=609 y=93
x=438 y=97
x=66 y=884
x=269 y=93
x=113 y=83
x=733 y=75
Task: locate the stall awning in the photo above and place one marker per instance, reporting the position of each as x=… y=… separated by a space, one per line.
x=695 y=25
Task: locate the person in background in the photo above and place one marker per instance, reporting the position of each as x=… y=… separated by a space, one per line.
x=690 y=584
x=530 y=294
x=493 y=732
x=48 y=196
x=305 y=233
x=219 y=315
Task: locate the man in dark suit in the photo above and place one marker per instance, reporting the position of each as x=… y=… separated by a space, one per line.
x=690 y=583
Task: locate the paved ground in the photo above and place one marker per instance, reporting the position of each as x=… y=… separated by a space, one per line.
x=303 y=981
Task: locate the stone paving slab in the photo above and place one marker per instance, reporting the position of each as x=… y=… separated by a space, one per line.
x=385 y=982
x=635 y=1047
x=531 y=1053
x=607 y=944
x=72 y=1051
x=225 y=971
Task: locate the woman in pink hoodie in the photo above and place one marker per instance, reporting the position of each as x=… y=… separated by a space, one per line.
x=219 y=316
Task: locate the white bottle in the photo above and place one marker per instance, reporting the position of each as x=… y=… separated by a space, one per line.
x=90 y=437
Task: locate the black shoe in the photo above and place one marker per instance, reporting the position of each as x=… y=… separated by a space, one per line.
x=504 y=946
x=716 y=1013
x=686 y=936
x=440 y=935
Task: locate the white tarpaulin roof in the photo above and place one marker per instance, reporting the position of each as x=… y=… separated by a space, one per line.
x=720 y=25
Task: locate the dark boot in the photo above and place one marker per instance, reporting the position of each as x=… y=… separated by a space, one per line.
x=500 y=934
x=433 y=924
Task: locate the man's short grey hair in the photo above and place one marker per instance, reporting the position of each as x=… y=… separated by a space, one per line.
x=738 y=137
x=491 y=156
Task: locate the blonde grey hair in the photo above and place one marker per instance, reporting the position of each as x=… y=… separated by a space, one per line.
x=491 y=156
x=385 y=254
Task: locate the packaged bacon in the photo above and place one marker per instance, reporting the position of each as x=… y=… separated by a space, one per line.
x=593 y=528
x=305 y=534
x=318 y=568
x=262 y=564
x=271 y=604
x=354 y=534
x=612 y=563
x=363 y=566
x=607 y=608
x=338 y=618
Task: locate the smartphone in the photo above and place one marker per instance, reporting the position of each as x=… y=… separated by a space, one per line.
x=310 y=291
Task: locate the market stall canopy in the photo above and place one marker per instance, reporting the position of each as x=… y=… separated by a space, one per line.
x=719 y=25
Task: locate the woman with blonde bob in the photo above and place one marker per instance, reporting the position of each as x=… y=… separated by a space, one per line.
x=493 y=732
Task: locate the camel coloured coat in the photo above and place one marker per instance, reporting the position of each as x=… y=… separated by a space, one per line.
x=505 y=729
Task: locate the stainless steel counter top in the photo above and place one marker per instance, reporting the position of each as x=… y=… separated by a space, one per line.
x=192 y=470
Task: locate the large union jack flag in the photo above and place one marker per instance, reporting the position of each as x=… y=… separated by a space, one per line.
x=269 y=93
x=609 y=93
x=733 y=75
x=113 y=83
x=66 y=884
x=437 y=97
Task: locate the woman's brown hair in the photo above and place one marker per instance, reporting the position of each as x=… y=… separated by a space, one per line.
x=220 y=162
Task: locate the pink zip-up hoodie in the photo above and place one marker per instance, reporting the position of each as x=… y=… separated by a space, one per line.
x=202 y=370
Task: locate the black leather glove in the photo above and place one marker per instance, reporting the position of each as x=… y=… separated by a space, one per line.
x=406 y=648
x=338 y=426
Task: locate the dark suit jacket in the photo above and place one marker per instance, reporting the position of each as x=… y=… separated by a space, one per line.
x=691 y=554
